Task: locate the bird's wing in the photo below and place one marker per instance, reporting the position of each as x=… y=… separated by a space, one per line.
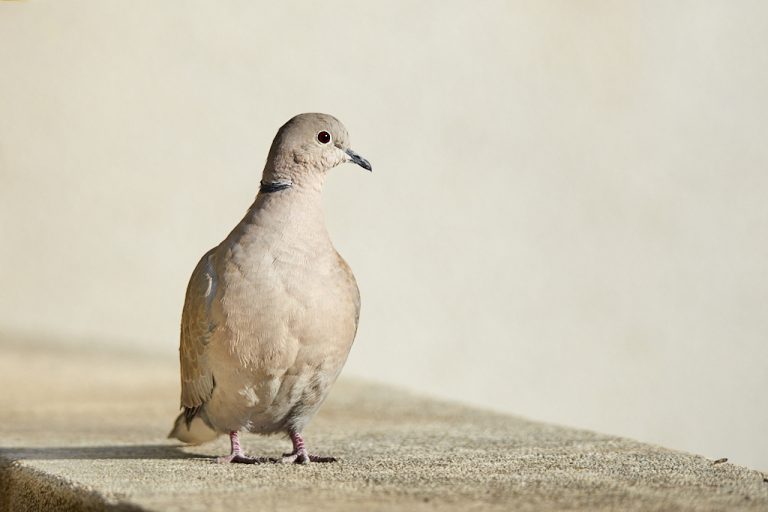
x=197 y=327
x=353 y=289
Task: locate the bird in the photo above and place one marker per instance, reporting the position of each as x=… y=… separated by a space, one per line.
x=270 y=314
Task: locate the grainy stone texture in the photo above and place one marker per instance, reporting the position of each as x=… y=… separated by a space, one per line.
x=84 y=429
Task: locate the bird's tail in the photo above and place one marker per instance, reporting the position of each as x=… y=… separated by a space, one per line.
x=194 y=431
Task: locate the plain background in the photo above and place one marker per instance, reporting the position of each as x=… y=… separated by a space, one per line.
x=568 y=218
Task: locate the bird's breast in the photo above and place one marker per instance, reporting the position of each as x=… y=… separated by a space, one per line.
x=288 y=306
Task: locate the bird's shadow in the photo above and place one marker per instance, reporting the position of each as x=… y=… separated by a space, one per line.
x=135 y=451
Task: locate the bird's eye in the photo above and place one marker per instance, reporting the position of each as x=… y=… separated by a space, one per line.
x=324 y=137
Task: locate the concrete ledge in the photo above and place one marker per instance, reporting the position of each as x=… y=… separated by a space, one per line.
x=84 y=429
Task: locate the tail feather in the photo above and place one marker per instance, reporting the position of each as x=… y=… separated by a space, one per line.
x=192 y=431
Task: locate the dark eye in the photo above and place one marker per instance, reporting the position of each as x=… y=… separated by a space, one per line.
x=324 y=137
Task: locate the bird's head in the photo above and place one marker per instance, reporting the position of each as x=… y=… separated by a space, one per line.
x=305 y=147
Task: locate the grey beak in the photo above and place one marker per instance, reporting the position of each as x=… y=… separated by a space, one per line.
x=362 y=162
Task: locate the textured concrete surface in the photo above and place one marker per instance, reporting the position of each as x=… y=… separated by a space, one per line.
x=84 y=429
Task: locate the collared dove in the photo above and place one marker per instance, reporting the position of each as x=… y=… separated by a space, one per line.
x=271 y=312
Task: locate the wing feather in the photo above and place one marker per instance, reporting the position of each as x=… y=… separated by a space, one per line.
x=197 y=327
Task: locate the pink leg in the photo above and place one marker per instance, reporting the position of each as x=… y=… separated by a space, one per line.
x=237 y=455
x=300 y=454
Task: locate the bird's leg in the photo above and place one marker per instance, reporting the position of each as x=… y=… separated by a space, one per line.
x=237 y=455
x=299 y=455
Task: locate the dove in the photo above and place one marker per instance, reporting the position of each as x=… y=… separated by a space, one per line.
x=270 y=313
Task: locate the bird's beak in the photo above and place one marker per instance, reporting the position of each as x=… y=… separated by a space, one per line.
x=362 y=162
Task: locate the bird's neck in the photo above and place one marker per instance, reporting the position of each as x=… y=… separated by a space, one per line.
x=290 y=217
x=267 y=187
x=281 y=200
x=282 y=173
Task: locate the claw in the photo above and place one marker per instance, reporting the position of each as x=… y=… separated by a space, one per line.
x=317 y=458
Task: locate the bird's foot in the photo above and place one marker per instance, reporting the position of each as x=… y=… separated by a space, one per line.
x=302 y=457
x=299 y=455
x=236 y=456
x=241 y=458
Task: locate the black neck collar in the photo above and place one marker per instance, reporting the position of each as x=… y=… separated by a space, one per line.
x=274 y=186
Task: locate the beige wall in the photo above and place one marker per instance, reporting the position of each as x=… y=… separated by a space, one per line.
x=568 y=217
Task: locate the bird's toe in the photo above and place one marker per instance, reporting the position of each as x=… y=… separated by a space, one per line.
x=238 y=458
